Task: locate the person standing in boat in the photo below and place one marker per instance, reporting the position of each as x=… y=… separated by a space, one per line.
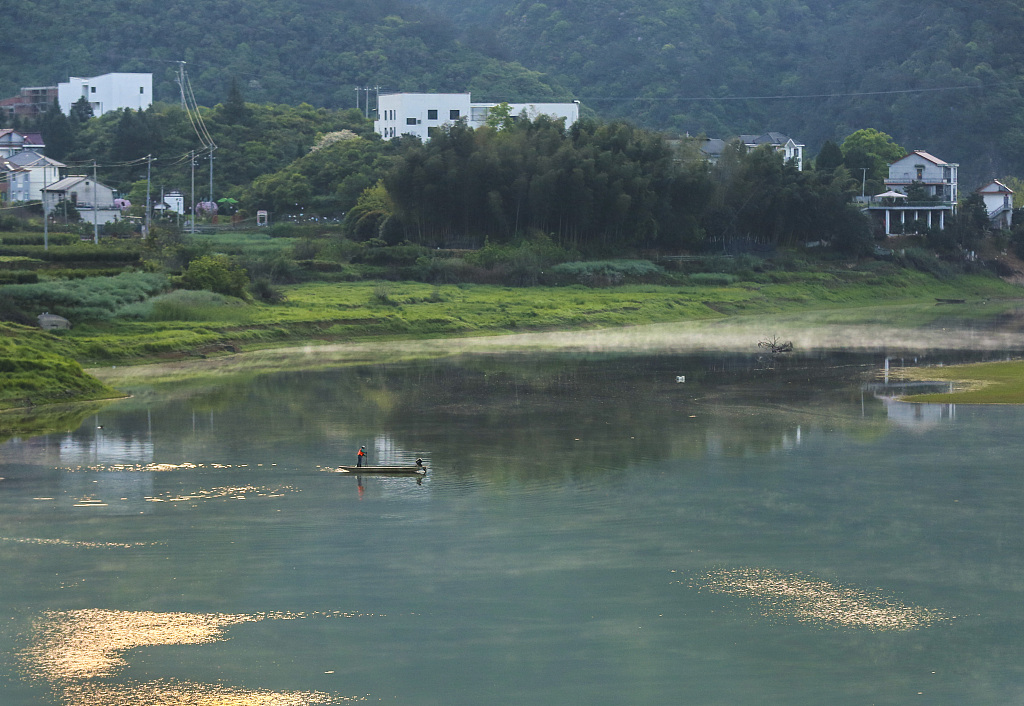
x=360 y=456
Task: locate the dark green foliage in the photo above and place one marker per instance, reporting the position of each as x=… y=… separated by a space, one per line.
x=57 y=132
x=926 y=261
x=604 y=272
x=38 y=239
x=81 y=110
x=594 y=188
x=829 y=157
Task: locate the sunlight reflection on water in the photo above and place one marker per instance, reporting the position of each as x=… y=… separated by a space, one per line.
x=72 y=649
x=808 y=600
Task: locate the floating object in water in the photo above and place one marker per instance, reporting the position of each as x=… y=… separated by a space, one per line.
x=680 y=378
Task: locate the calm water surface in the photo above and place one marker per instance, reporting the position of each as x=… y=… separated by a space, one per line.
x=591 y=531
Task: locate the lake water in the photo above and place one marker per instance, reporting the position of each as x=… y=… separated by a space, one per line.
x=590 y=531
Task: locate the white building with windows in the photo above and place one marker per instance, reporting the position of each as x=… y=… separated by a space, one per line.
x=417 y=113
x=93 y=200
x=934 y=179
x=998 y=198
x=28 y=172
x=107 y=92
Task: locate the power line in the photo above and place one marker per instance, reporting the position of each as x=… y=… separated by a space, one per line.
x=851 y=94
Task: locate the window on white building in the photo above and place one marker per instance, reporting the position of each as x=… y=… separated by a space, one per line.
x=453 y=114
x=431 y=115
x=410 y=121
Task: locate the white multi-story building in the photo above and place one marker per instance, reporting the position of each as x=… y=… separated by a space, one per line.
x=107 y=92
x=416 y=113
x=937 y=180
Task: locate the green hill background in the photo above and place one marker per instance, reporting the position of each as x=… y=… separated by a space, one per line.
x=945 y=76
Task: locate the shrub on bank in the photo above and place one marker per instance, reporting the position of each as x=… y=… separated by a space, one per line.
x=188 y=305
x=602 y=273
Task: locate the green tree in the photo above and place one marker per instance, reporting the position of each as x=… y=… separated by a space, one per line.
x=216 y=274
x=499 y=117
x=81 y=110
x=830 y=157
x=57 y=133
x=872 y=150
x=234 y=110
x=374 y=207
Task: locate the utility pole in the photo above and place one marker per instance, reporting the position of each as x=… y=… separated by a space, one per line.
x=376 y=102
x=357 y=97
x=46 y=224
x=192 y=159
x=181 y=83
x=212 y=148
x=149 y=176
x=95 y=212
x=863 y=180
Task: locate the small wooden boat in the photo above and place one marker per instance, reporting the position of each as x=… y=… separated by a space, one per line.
x=378 y=470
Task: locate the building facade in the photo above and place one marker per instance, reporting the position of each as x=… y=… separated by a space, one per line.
x=107 y=92
x=921 y=190
x=30 y=101
x=93 y=200
x=998 y=200
x=418 y=113
x=28 y=172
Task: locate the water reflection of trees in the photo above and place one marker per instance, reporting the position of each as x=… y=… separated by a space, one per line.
x=562 y=414
x=517 y=415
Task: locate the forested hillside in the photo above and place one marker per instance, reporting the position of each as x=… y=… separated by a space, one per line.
x=292 y=51
x=946 y=76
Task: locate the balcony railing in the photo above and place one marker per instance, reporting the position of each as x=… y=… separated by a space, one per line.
x=874 y=202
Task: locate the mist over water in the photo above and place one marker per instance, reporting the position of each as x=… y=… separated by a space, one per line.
x=591 y=530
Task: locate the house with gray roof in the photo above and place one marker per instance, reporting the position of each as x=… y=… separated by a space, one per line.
x=28 y=172
x=790 y=149
x=93 y=200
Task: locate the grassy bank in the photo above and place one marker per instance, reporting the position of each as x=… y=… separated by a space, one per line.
x=362 y=311
x=41 y=368
x=37 y=368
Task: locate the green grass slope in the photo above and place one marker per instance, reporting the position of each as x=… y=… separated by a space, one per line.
x=36 y=369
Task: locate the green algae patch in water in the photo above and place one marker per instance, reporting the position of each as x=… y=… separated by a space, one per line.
x=980 y=383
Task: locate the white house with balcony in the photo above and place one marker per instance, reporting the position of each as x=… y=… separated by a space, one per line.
x=921 y=189
x=418 y=113
x=107 y=92
x=998 y=200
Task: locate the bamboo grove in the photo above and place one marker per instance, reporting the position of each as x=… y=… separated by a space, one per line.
x=606 y=188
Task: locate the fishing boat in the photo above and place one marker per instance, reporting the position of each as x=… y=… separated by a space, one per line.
x=394 y=470
x=415 y=470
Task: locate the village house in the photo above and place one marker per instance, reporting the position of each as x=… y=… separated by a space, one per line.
x=998 y=200
x=27 y=172
x=790 y=149
x=419 y=113
x=921 y=190
x=93 y=200
x=14 y=141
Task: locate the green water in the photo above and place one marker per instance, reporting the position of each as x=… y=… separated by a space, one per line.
x=590 y=531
